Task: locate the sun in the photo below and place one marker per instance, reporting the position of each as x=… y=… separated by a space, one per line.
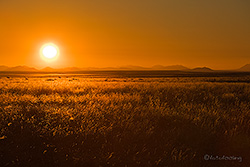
x=49 y=52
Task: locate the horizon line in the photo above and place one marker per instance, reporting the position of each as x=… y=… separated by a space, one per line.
x=177 y=67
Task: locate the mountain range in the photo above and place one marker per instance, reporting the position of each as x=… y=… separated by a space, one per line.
x=245 y=68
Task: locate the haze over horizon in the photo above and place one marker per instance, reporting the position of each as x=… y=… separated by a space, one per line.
x=20 y=68
x=215 y=34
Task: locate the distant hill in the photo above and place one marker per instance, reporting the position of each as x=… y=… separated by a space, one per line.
x=173 y=67
x=18 y=68
x=3 y=68
x=245 y=68
x=202 y=69
x=48 y=69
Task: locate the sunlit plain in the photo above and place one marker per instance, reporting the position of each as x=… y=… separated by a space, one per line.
x=121 y=121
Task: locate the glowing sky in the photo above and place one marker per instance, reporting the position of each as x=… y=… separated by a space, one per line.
x=101 y=33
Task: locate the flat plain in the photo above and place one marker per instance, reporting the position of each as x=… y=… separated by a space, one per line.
x=152 y=118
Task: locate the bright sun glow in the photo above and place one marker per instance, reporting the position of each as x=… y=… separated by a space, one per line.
x=49 y=52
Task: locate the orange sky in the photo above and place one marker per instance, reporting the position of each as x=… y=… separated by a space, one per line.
x=102 y=33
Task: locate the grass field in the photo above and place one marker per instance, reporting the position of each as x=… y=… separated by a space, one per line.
x=124 y=121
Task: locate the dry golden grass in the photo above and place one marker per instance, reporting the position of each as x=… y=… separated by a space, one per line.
x=122 y=121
